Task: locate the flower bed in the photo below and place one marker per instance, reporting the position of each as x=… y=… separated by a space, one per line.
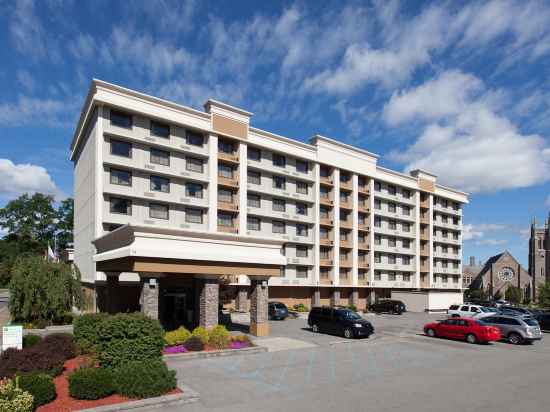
x=202 y=340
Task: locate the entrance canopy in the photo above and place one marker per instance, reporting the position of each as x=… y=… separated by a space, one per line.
x=145 y=249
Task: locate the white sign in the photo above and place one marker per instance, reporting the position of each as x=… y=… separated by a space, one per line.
x=12 y=337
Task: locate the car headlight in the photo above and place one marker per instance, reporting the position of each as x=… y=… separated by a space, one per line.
x=529 y=332
x=357 y=325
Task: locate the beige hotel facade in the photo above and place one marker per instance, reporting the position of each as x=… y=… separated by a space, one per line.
x=178 y=209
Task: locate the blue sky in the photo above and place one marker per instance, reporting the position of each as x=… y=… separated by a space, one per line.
x=461 y=89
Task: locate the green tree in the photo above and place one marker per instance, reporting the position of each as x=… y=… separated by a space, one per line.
x=476 y=294
x=544 y=295
x=65 y=218
x=513 y=295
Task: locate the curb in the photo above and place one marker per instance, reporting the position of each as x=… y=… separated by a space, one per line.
x=188 y=396
x=214 y=354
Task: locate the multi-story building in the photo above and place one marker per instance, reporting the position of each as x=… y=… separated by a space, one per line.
x=223 y=196
x=539 y=255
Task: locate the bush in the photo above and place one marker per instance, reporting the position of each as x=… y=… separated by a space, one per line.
x=352 y=307
x=86 y=330
x=91 y=383
x=194 y=344
x=40 y=386
x=62 y=343
x=300 y=307
x=37 y=358
x=176 y=337
x=31 y=340
x=514 y=295
x=13 y=398
x=543 y=293
x=201 y=333
x=144 y=379
x=127 y=337
x=219 y=337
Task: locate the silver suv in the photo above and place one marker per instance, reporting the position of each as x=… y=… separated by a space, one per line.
x=514 y=328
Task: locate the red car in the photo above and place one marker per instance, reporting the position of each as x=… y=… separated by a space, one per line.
x=463 y=329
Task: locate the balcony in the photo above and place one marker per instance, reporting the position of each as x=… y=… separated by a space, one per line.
x=345 y=243
x=447 y=271
x=424 y=235
x=326 y=201
x=348 y=185
x=446 y=255
x=326 y=180
x=364 y=227
x=228 y=206
x=425 y=252
x=228 y=229
x=228 y=157
x=363 y=207
x=424 y=283
x=394 y=215
x=346 y=224
x=364 y=189
x=326 y=221
x=385 y=247
x=345 y=281
x=424 y=219
x=346 y=263
x=447 y=225
x=325 y=281
x=396 y=198
x=424 y=267
x=326 y=242
x=325 y=262
x=363 y=246
x=449 y=240
x=363 y=282
x=346 y=204
x=364 y=264
x=449 y=209
x=226 y=181
x=425 y=203
x=394 y=232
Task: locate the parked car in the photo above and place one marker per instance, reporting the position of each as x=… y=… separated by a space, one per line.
x=543 y=318
x=514 y=328
x=469 y=311
x=339 y=321
x=277 y=311
x=470 y=330
x=516 y=311
x=388 y=305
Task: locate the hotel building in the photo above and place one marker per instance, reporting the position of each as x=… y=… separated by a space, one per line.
x=176 y=209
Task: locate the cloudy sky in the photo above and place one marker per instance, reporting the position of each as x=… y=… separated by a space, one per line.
x=460 y=89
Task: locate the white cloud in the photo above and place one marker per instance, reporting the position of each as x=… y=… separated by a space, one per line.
x=26 y=29
x=17 y=179
x=83 y=46
x=31 y=110
x=25 y=79
x=469 y=232
x=491 y=242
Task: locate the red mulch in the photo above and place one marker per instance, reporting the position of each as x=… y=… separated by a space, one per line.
x=64 y=403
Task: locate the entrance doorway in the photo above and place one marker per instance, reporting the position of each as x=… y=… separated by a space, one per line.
x=176 y=310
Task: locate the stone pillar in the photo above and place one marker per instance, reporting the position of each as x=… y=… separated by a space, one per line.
x=335 y=297
x=372 y=297
x=354 y=297
x=316 y=298
x=209 y=298
x=259 y=325
x=150 y=297
x=241 y=301
x=111 y=289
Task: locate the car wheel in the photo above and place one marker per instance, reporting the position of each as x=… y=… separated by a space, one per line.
x=515 y=338
x=431 y=333
x=471 y=338
x=348 y=334
x=315 y=328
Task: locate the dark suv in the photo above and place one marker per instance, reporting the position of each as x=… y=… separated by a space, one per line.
x=277 y=310
x=388 y=305
x=339 y=321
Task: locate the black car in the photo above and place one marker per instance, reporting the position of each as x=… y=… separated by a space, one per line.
x=513 y=310
x=388 y=305
x=277 y=311
x=339 y=321
x=543 y=318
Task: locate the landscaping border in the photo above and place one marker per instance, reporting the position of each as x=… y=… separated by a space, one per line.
x=214 y=353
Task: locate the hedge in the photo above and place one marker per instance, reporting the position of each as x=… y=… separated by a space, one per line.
x=219 y=337
x=14 y=399
x=176 y=337
x=144 y=379
x=91 y=383
x=201 y=333
x=40 y=386
x=31 y=340
x=85 y=330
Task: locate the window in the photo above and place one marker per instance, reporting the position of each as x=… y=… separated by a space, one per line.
x=377 y=239
x=392 y=242
x=121 y=177
x=254 y=154
x=159 y=184
x=301 y=187
x=377 y=276
x=278 y=226
x=253 y=200
x=406 y=227
x=302 y=166
x=325 y=273
x=194 y=164
x=193 y=215
x=344 y=235
x=301 y=251
x=225 y=146
x=278 y=205
x=406 y=260
x=406 y=277
x=362 y=255
x=225 y=195
x=279 y=182
x=391 y=276
x=406 y=243
x=344 y=216
x=254 y=177
x=253 y=223
x=455 y=235
x=361 y=274
x=324 y=253
x=444 y=234
x=119 y=148
x=160 y=130
x=225 y=219
x=377 y=221
x=392 y=225
x=444 y=279
x=344 y=177
x=301 y=209
x=344 y=273
x=377 y=204
x=301 y=272
x=121 y=119
x=225 y=171
x=455 y=221
x=324 y=192
x=193 y=190
x=120 y=206
x=377 y=186
x=444 y=249
x=362 y=237
x=279 y=160
x=361 y=218
x=344 y=196
x=194 y=139
x=406 y=210
x=301 y=229
x=323 y=233
x=160 y=157
x=323 y=212
x=391 y=189
x=324 y=171
x=391 y=207
x=391 y=259
x=158 y=211
x=344 y=255
x=406 y=193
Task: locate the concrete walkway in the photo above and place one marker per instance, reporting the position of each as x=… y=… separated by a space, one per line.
x=279 y=344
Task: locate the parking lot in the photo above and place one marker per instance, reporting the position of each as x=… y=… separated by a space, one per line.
x=397 y=368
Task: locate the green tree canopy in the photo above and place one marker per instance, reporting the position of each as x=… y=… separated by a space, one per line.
x=65 y=218
x=513 y=295
x=544 y=295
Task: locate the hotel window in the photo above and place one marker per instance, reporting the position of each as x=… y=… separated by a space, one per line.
x=301 y=251
x=456 y=206
x=325 y=273
x=391 y=242
x=361 y=274
x=444 y=203
x=324 y=171
x=406 y=277
x=225 y=171
x=121 y=119
x=391 y=189
x=193 y=164
x=158 y=211
x=279 y=160
x=444 y=219
x=344 y=216
x=122 y=149
x=194 y=139
x=377 y=204
x=377 y=276
x=278 y=226
x=444 y=279
x=193 y=215
x=344 y=273
x=455 y=235
x=406 y=193
x=344 y=235
x=444 y=264
x=377 y=186
x=362 y=237
x=324 y=253
x=456 y=221
x=444 y=234
x=159 y=157
x=392 y=225
x=279 y=182
x=225 y=195
x=344 y=196
x=361 y=218
x=301 y=209
x=391 y=276
x=225 y=219
x=377 y=258
x=194 y=190
x=391 y=259
x=253 y=154
x=253 y=200
x=301 y=229
x=362 y=182
x=444 y=249
x=225 y=146
x=120 y=206
x=455 y=265
x=362 y=255
x=253 y=223
x=324 y=192
x=159 y=184
x=406 y=210
x=377 y=221
x=254 y=178
x=406 y=227
x=323 y=233
x=406 y=243
x=344 y=177
x=406 y=260
x=302 y=166
x=391 y=207
x=377 y=239
x=301 y=272
x=278 y=205
x=160 y=129
x=301 y=187
x=344 y=255
x=121 y=177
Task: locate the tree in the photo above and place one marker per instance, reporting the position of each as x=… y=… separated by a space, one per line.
x=65 y=218
x=544 y=295
x=513 y=294
x=476 y=294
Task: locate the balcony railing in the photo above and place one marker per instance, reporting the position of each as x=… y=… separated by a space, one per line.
x=228 y=206
x=326 y=242
x=230 y=157
x=364 y=264
x=327 y=201
x=346 y=224
x=345 y=243
x=326 y=180
x=425 y=203
x=364 y=189
x=325 y=262
x=326 y=221
x=363 y=246
x=363 y=208
x=325 y=281
x=346 y=263
x=346 y=204
x=346 y=185
x=345 y=281
x=226 y=181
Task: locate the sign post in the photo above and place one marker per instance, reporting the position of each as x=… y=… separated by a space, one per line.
x=12 y=337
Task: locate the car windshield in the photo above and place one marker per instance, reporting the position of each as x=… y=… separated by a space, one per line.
x=486 y=310
x=531 y=322
x=348 y=314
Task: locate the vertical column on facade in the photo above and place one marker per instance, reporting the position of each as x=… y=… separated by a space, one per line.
x=259 y=325
x=150 y=297
x=354 y=297
x=241 y=302
x=371 y=234
x=335 y=297
x=317 y=216
x=355 y=231
x=431 y=240
x=316 y=297
x=460 y=279
x=209 y=294
x=213 y=182
x=417 y=241
x=336 y=221
x=111 y=288
x=243 y=173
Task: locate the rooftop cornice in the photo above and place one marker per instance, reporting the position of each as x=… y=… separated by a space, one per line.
x=321 y=138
